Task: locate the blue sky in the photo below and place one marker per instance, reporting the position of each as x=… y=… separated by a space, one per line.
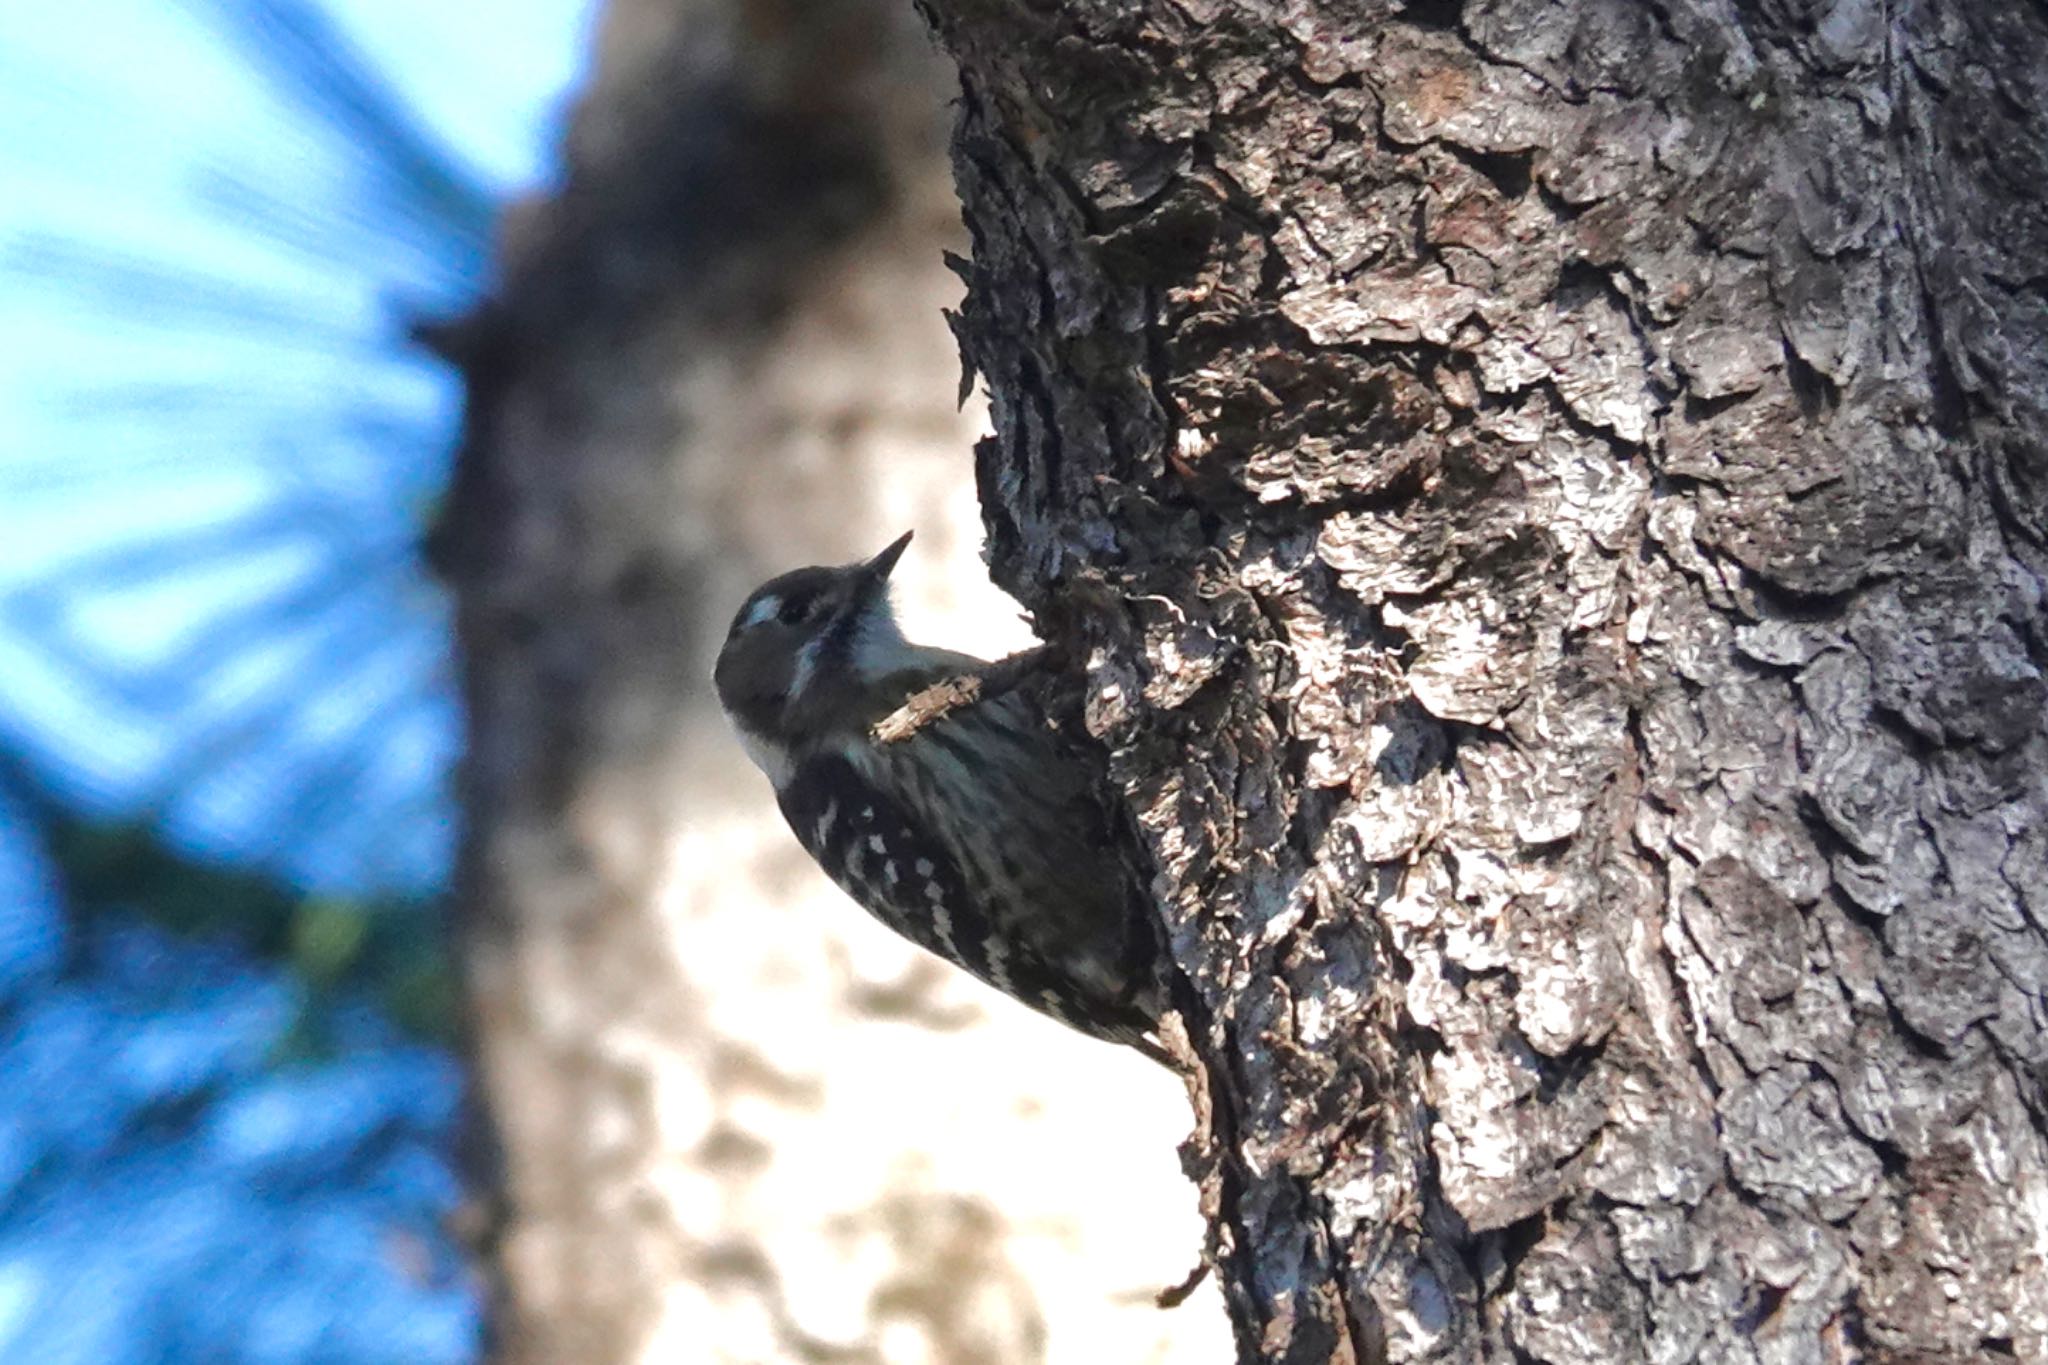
x=216 y=454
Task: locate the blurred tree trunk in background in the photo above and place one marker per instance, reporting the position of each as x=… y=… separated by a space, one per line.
x=1552 y=498
x=732 y=1119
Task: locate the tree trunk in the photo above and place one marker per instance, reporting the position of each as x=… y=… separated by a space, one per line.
x=733 y=1119
x=1552 y=500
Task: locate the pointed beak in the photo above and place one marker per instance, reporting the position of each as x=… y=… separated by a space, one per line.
x=876 y=570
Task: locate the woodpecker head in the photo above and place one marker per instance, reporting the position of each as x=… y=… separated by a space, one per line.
x=803 y=653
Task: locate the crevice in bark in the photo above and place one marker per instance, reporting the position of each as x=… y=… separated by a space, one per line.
x=1440 y=14
x=1818 y=395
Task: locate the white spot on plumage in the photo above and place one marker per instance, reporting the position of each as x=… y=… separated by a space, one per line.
x=925 y=869
x=999 y=966
x=875 y=843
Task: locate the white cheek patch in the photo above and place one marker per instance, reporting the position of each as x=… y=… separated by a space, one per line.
x=763 y=610
x=806 y=667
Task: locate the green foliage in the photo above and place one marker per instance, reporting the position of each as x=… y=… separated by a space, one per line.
x=388 y=950
x=328 y=937
x=130 y=867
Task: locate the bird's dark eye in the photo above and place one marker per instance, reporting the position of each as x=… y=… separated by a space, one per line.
x=797 y=607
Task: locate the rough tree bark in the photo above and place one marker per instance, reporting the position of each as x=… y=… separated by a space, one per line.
x=734 y=1120
x=1552 y=495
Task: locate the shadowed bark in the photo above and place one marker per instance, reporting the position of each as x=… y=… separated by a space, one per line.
x=1552 y=501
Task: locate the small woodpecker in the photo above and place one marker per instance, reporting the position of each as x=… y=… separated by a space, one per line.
x=983 y=835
